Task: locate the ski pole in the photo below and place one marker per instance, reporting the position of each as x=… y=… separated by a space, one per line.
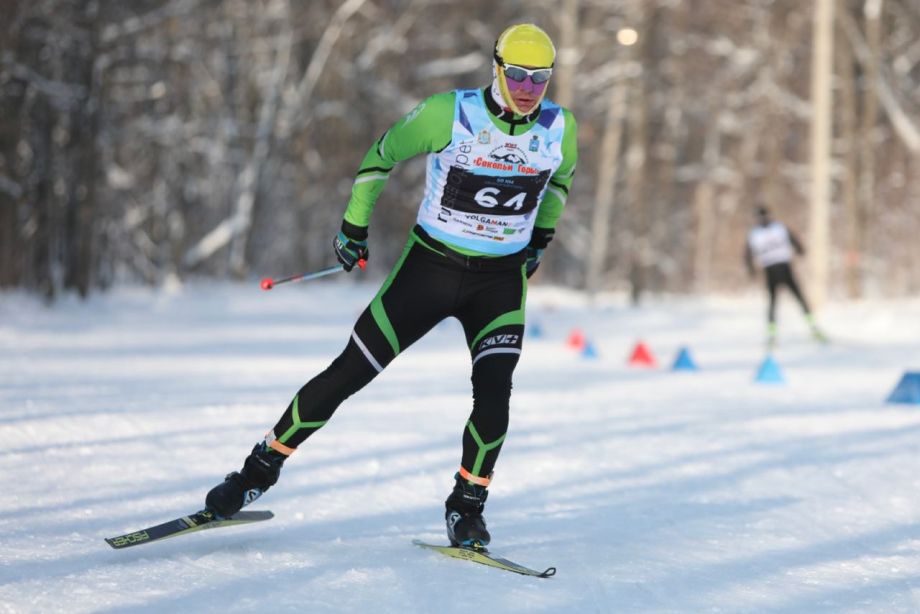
x=268 y=283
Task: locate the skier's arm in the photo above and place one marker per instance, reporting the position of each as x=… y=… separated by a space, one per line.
x=558 y=189
x=425 y=129
x=796 y=244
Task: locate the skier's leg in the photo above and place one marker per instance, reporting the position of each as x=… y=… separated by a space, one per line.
x=493 y=320
x=793 y=284
x=488 y=423
x=414 y=298
x=483 y=437
x=394 y=320
x=773 y=278
x=794 y=287
x=318 y=399
x=809 y=316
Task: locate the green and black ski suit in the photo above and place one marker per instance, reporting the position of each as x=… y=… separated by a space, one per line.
x=493 y=181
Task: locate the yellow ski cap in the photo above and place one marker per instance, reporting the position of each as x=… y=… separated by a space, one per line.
x=525 y=45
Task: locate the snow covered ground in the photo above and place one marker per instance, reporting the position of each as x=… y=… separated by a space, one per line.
x=649 y=490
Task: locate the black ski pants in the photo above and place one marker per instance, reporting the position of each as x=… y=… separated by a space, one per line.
x=428 y=284
x=781 y=274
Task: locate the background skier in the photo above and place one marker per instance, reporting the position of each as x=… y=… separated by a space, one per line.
x=772 y=246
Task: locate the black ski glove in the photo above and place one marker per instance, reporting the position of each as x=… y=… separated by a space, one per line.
x=350 y=245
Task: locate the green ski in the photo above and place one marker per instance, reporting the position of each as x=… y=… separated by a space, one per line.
x=186 y=524
x=484 y=557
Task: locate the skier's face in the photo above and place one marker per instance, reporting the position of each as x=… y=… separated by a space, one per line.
x=526 y=85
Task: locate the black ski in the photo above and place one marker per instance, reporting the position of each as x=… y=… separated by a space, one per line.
x=186 y=524
x=484 y=557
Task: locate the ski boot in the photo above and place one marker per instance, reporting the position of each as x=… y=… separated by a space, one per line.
x=465 y=525
x=240 y=488
x=816 y=333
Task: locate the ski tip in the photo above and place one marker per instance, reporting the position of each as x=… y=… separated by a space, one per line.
x=203 y=519
x=130 y=539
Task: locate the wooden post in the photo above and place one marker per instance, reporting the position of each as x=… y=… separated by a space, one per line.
x=821 y=100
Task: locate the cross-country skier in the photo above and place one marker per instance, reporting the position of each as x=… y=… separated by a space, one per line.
x=772 y=245
x=500 y=164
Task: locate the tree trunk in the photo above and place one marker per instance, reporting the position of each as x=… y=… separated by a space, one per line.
x=250 y=178
x=848 y=119
x=638 y=248
x=607 y=172
x=704 y=211
x=821 y=128
x=567 y=57
x=83 y=190
x=872 y=12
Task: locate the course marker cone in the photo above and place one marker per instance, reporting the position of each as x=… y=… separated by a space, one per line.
x=684 y=361
x=589 y=350
x=576 y=340
x=769 y=372
x=535 y=330
x=642 y=357
x=907 y=390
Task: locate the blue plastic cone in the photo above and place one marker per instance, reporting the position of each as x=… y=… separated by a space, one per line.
x=907 y=390
x=684 y=361
x=589 y=351
x=535 y=330
x=769 y=372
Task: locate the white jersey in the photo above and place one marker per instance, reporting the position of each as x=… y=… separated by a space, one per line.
x=484 y=189
x=771 y=244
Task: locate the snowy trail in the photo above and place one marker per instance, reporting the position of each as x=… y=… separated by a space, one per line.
x=649 y=490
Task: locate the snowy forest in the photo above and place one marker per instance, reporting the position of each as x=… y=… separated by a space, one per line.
x=155 y=141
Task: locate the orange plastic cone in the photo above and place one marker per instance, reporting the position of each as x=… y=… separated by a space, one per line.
x=642 y=357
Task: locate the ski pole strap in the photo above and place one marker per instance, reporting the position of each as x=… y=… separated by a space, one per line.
x=475 y=479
